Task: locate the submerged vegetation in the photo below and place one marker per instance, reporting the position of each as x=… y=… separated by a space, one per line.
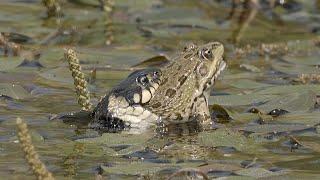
x=266 y=106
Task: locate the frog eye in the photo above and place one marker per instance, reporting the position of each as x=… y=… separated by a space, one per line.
x=143 y=80
x=207 y=53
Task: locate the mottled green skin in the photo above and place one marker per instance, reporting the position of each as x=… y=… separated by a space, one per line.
x=185 y=84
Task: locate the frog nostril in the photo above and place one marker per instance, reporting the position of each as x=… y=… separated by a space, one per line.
x=216 y=44
x=189 y=47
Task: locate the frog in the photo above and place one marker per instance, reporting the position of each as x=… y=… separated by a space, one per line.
x=173 y=94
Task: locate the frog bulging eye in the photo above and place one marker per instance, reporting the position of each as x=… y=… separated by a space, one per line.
x=143 y=80
x=206 y=53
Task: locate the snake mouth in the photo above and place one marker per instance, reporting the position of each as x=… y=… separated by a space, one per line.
x=210 y=82
x=110 y=124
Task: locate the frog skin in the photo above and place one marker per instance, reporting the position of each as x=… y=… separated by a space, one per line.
x=174 y=94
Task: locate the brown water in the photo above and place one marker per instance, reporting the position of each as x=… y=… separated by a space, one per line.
x=247 y=145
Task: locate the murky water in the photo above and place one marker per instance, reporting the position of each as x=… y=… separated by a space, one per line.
x=273 y=68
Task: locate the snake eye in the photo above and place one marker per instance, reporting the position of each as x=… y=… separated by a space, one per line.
x=143 y=80
x=156 y=74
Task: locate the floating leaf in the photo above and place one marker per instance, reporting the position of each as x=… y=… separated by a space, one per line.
x=130 y=150
x=220 y=114
x=114 y=139
x=303 y=60
x=31 y=63
x=220 y=167
x=115 y=58
x=288 y=89
x=315 y=146
x=17 y=38
x=8 y=63
x=36 y=136
x=143 y=168
x=179 y=16
x=294 y=69
x=250 y=67
x=156 y=61
x=309 y=163
x=228 y=138
x=134 y=168
x=291 y=102
x=50 y=57
x=248 y=84
x=277 y=112
x=244 y=117
x=259 y=172
x=60 y=74
x=239 y=100
x=137 y=6
x=275 y=128
x=14 y=91
x=307 y=118
x=233 y=76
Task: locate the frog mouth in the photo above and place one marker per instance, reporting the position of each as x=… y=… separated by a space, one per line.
x=211 y=81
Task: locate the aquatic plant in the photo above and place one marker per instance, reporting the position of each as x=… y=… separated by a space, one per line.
x=186 y=171
x=79 y=80
x=70 y=161
x=107 y=6
x=32 y=157
x=53 y=7
x=307 y=78
x=9 y=46
x=278 y=48
x=109 y=30
x=250 y=9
